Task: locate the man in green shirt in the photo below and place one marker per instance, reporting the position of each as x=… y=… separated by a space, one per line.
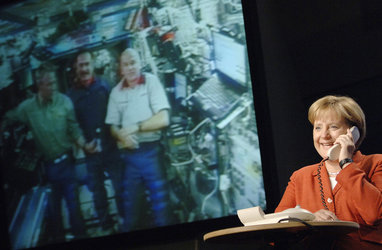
x=51 y=119
x=50 y=116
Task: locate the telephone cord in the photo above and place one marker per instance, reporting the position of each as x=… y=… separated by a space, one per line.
x=320 y=183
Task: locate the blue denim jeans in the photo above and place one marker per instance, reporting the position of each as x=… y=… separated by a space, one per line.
x=115 y=168
x=95 y=181
x=61 y=179
x=142 y=166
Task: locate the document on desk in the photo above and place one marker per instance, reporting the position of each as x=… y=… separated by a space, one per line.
x=256 y=216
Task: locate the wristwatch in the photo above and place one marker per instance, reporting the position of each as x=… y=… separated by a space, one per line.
x=344 y=161
x=139 y=126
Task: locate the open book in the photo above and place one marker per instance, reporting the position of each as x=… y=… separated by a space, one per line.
x=256 y=216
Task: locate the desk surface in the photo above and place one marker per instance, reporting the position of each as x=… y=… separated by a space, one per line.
x=274 y=231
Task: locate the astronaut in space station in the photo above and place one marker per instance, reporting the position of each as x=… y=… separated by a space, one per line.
x=50 y=116
x=89 y=94
x=138 y=110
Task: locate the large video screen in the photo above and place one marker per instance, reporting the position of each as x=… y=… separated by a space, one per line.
x=119 y=116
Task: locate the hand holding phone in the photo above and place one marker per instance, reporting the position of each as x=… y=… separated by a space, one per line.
x=334 y=152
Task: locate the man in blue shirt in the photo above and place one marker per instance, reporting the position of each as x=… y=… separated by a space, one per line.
x=90 y=97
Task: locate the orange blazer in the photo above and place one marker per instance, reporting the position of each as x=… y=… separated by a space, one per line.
x=356 y=197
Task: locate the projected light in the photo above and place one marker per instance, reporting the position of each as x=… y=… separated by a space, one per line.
x=210 y=150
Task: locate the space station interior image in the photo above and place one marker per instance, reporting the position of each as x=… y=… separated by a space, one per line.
x=208 y=153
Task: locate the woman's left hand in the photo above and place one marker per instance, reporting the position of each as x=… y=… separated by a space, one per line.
x=324 y=215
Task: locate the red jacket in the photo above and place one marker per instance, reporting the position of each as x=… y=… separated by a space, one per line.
x=356 y=197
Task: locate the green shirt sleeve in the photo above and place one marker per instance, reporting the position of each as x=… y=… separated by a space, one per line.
x=74 y=130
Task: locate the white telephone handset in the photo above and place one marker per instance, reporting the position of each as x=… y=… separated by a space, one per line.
x=334 y=152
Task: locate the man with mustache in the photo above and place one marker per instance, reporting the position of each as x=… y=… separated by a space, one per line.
x=90 y=96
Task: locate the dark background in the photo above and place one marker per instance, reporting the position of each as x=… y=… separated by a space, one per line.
x=311 y=49
x=300 y=51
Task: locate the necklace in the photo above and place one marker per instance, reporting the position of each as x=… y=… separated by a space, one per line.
x=334 y=173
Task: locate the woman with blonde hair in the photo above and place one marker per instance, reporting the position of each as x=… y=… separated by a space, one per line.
x=348 y=188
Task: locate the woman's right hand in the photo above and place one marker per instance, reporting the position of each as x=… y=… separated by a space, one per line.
x=325 y=215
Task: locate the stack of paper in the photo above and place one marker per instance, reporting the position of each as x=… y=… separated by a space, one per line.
x=256 y=216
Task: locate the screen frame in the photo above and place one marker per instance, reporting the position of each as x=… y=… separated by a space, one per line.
x=195 y=230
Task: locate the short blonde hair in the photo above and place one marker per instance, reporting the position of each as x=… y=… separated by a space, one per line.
x=345 y=107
